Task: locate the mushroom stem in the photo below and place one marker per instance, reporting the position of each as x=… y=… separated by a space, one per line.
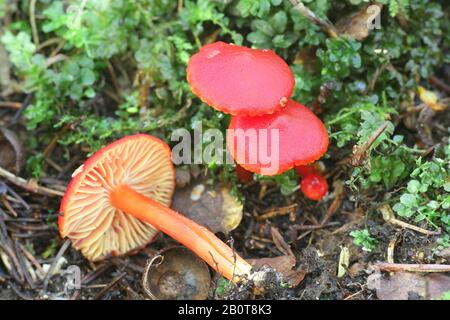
x=197 y=238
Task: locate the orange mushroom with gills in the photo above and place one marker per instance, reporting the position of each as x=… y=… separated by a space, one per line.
x=118 y=200
x=302 y=139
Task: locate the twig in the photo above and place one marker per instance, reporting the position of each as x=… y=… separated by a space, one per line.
x=439 y=83
x=10 y=104
x=314 y=227
x=277 y=212
x=49 y=42
x=33 y=22
x=363 y=288
x=32 y=259
x=60 y=253
x=412 y=267
x=328 y=27
x=388 y=216
x=22 y=265
x=359 y=153
x=110 y=286
x=31 y=186
x=339 y=192
x=55 y=59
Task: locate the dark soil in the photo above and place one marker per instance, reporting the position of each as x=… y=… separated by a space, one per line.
x=316 y=250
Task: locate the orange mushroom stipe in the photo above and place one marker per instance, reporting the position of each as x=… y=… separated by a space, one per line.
x=118 y=200
x=313 y=185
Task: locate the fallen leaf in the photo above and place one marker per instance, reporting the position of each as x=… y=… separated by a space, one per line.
x=279 y=242
x=11 y=151
x=403 y=285
x=182 y=177
x=284 y=265
x=344 y=261
x=356 y=25
x=211 y=206
x=424 y=125
x=431 y=99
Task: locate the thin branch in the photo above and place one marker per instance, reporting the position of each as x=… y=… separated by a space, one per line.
x=33 y=22
x=31 y=186
x=58 y=256
x=10 y=104
x=384 y=266
x=327 y=26
x=389 y=216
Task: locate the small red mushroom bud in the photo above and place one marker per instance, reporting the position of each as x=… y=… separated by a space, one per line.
x=314 y=186
x=243 y=175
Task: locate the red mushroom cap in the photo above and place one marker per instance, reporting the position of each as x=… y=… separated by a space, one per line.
x=244 y=176
x=304 y=170
x=89 y=219
x=302 y=139
x=239 y=80
x=314 y=186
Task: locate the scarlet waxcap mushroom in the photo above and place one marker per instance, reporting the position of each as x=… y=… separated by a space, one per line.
x=240 y=80
x=119 y=198
x=302 y=139
x=89 y=219
x=314 y=186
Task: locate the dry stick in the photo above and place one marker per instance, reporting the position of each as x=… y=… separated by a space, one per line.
x=384 y=266
x=439 y=83
x=55 y=59
x=22 y=265
x=328 y=27
x=33 y=22
x=277 y=212
x=388 y=216
x=11 y=104
x=29 y=185
x=16 y=271
x=360 y=152
x=32 y=259
x=48 y=43
x=55 y=262
x=339 y=197
x=110 y=286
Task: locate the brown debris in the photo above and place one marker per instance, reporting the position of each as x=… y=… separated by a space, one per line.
x=405 y=285
x=357 y=24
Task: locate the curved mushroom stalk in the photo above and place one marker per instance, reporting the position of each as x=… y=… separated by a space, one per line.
x=195 y=237
x=118 y=200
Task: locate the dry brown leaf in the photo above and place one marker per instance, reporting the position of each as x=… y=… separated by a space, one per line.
x=284 y=265
x=356 y=25
x=211 y=206
x=182 y=177
x=404 y=285
x=280 y=243
x=11 y=151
